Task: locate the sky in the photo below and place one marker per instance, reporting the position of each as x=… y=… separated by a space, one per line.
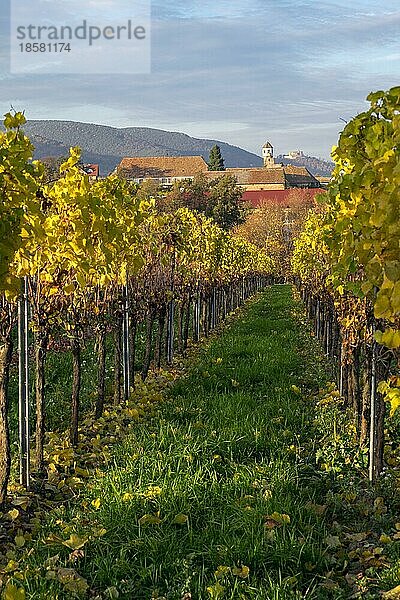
x=240 y=71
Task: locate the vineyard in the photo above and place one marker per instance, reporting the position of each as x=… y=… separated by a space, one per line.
x=237 y=438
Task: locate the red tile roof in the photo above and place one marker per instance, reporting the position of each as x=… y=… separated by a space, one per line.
x=91 y=170
x=259 y=197
x=142 y=167
x=249 y=176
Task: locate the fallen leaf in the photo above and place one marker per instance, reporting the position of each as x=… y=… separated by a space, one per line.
x=14 y=593
x=19 y=541
x=74 y=542
x=216 y=591
x=72 y=581
x=290 y=581
x=222 y=571
x=356 y=537
x=53 y=539
x=271 y=523
x=11 y=566
x=96 y=503
x=127 y=497
x=278 y=518
x=76 y=555
x=99 y=532
x=21 y=501
x=180 y=519
x=82 y=472
x=242 y=572
x=149 y=520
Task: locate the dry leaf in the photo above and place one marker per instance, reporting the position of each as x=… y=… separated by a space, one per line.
x=72 y=581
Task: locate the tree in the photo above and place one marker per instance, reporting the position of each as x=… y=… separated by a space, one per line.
x=225 y=202
x=220 y=200
x=216 y=162
x=192 y=194
x=276 y=225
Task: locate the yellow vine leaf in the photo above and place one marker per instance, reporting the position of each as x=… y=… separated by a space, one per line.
x=75 y=542
x=96 y=503
x=391 y=394
x=13 y=514
x=216 y=591
x=12 y=592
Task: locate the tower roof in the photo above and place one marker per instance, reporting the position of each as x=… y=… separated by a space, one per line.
x=267 y=145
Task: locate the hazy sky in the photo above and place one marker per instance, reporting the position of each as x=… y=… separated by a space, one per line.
x=241 y=71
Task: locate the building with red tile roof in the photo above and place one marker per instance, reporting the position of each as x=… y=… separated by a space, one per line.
x=168 y=169
x=254 y=178
x=165 y=169
x=278 y=177
x=92 y=170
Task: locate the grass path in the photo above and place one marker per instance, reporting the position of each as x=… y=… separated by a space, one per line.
x=208 y=498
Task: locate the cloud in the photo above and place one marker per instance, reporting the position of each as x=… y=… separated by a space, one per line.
x=241 y=70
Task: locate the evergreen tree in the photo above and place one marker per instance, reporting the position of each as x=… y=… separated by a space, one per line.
x=216 y=162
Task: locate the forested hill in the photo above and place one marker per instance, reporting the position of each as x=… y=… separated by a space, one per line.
x=107 y=145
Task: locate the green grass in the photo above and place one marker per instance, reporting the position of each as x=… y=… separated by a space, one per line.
x=228 y=447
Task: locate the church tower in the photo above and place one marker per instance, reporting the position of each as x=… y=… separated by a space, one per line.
x=268 y=155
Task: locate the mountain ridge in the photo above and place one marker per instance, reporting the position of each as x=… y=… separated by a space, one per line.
x=107 y=145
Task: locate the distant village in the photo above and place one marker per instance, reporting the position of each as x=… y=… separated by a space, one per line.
x=272 y=181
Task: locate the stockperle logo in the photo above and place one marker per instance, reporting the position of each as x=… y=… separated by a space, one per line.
x=66 y=36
